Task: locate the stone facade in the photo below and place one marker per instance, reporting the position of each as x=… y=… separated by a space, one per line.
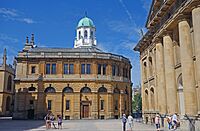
x=77 y=83
x=170 y=60
x=6 y=88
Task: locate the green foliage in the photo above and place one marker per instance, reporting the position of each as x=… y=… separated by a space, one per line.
x=137 y=102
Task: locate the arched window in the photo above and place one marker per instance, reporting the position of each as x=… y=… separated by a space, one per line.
x=9 y=83
x=31 y=89
x=50 y=90
x=150 y=66
x=85 y=34
x=79 y=35
x=116 y=91
x=146 y=100
x=145 y=71
x=102 y=90
x=68 y=90
x=152 y=97
x=8 y=103
x=85 y=90
x=91 y=34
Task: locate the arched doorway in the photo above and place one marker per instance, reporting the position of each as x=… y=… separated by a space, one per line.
x=116 y=101
x=85 y=102
x=181 y=95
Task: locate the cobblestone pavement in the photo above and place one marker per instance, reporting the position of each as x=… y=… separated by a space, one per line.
x=72 y=125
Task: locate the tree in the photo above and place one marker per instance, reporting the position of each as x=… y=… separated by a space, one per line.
x=137 y=103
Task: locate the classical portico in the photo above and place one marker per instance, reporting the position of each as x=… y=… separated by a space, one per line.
x=173 y=37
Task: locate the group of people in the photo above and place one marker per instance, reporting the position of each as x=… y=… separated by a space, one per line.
x=49 y=121
x=127 y=122
x=172 y=121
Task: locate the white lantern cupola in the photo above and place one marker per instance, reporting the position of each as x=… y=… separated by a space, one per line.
x=85 y=33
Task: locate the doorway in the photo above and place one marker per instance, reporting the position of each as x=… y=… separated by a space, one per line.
x=31 y=114
x=85 y=111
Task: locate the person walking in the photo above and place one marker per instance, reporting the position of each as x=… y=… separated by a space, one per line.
x=174 y=120
x=130 y=123
x=124 y=122
x=52 y=118
x=169 y=121
x=157 y=122
x=47 y=121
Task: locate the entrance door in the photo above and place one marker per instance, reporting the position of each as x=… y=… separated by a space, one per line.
x=85 y=111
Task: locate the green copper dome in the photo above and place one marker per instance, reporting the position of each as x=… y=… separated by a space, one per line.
x=85 y=22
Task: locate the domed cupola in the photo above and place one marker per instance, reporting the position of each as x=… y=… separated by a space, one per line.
x=85 y=33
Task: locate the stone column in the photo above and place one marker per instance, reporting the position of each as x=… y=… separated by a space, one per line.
x=162 y=104
x=187 y=66
x=142 y=86
x=196 y=28
x=170 y=73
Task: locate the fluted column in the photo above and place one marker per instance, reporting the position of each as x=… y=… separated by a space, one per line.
x=160 y=77
x=196 y=28
x=170 y=73
x=187 y=66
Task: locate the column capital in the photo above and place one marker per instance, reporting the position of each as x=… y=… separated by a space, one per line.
x=195 y=5
x=157 y=40
x=167 y=33
x=183 y=17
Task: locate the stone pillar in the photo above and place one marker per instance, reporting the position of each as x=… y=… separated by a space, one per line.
x=170 y=73
x=187 y=66
x=142 y=85
x=196 y=28
x=162 y=104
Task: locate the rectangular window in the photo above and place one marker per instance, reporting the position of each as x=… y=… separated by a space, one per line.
x=67 y=104
x=113 y=70
x=102 y=104
x=65 y=68
x=88 y=69
x=99 y=69
x=71 y=68
x=82 y=68
x=33 y=69
x=31 y=102
x=48 y=68
x=53 y=68
x=116 y=105
x=104 y=69
x=49 y=104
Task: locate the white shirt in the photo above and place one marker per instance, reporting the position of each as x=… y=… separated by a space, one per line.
x=130 y=119
x=174 y=117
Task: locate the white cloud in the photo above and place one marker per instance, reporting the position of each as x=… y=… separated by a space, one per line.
x=5 y=38
x=15 y=15
x=126 y=10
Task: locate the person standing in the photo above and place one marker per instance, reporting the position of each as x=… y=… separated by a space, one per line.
x=59 y=122
x=130 y=123
x=52 y=118
x=124 y=122
x=157 y=122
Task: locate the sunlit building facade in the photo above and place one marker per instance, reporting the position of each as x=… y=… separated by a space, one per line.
x=78 y=83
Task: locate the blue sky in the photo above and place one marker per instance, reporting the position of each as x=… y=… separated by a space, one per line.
x=118 y=23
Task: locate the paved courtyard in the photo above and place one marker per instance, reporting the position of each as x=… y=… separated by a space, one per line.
x=72 y=125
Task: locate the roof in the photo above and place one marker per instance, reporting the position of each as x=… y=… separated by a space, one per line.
x=85 y=22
